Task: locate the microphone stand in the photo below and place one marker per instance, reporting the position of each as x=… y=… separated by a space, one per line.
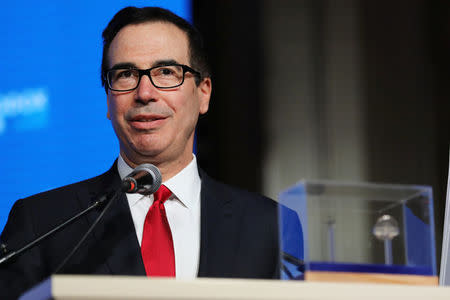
x=298 y=263
x=105 y=209
x=12 y=254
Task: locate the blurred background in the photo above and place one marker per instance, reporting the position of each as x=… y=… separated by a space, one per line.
x=347 y=90
x=53 y=125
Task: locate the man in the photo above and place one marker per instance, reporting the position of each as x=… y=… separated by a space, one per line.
x=157 y=83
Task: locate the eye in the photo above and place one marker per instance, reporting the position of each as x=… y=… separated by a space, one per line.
x=124 y=74
x=166 y=71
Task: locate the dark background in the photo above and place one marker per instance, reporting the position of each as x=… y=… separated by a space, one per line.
x=405 y=62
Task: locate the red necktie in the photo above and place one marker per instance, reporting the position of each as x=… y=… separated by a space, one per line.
x=157 y=244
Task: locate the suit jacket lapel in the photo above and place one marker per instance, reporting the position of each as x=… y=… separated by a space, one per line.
x=220 y=215
x=115 y=239
x=115 y=234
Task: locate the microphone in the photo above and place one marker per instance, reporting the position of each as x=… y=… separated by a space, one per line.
x=145 y=179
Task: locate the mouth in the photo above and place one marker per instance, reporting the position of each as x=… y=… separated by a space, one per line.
x=146 y=122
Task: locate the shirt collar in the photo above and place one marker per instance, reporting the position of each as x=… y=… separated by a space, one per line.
x=183 y=185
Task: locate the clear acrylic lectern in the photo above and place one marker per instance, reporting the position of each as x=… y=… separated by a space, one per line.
x=357 y=228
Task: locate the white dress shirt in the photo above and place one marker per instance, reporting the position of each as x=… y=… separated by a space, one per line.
x=183 y=215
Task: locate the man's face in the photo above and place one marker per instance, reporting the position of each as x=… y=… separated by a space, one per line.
x=155 y=125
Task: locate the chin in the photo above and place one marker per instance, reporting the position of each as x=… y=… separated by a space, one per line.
x=147 y=144
x=139 y=150
x=148 y=151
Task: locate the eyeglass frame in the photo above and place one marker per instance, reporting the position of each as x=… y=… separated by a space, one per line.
x=147 y=72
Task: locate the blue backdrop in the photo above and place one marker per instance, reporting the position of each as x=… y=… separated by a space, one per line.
x=53 y=125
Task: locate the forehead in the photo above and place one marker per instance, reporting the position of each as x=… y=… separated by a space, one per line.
x=146 y=43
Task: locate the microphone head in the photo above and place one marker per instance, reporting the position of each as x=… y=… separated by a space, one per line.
x=154 y=172
x=146 y=179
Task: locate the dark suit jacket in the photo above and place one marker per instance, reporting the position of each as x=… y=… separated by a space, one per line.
x=239 y=234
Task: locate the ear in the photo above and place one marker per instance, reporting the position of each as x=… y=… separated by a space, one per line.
x=108 y=115
x=204 y=91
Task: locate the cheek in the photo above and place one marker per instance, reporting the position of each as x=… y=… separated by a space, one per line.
x=114 y=108
x=111 y=111
x=115 y=115
x=190 y=115
x=188 y=108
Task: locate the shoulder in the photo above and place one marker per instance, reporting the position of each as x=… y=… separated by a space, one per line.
x=225 y=193
x=54 y=206
x=88 y=187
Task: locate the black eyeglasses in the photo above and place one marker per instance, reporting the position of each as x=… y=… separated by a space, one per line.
x=162 y=77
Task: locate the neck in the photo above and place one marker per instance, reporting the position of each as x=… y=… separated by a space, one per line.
x=168 y=168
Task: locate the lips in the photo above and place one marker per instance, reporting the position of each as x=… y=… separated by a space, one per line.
x=146 y=122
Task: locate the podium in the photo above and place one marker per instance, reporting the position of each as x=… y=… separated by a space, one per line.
x=65 y=287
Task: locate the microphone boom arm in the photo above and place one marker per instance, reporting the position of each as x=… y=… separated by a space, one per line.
x=36 y=241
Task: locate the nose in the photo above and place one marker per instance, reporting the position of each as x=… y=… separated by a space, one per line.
x=146 y=91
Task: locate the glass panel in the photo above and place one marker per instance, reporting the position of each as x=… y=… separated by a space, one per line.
x=357 y=228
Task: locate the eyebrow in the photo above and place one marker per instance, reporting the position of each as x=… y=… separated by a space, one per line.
x=130 y=65
x=124 y=65
x=164 y=62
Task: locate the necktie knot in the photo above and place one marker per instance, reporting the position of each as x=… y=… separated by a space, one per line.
x=162 y=194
